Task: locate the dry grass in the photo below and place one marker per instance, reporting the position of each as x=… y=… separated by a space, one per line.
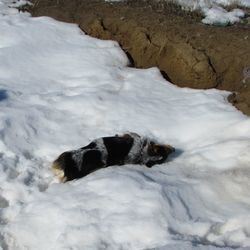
x=166 y=7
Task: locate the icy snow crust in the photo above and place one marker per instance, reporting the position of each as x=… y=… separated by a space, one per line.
x=59 y=89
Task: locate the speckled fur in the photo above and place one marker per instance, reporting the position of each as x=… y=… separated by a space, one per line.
x=108 y=151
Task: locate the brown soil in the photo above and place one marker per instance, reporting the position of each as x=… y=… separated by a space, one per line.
x=241 y=99
x=152 y=33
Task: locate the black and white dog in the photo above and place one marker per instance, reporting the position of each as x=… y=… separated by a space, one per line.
x=108 y=151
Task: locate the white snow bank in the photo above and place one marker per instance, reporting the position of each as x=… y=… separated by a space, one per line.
x=220 y=17
x=7 y=6
x=59 y=89
x=213 y=11
x=200 y=4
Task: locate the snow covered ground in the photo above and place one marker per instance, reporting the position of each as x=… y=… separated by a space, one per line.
x=213 y=11
x=59 y=89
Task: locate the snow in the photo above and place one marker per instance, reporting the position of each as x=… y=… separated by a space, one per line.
x=212 y=10
x=7 y=6
x=60 y=89
x=196 y=4
x=220 y=17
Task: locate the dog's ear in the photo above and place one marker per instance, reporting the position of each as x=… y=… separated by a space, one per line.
x=163 y=149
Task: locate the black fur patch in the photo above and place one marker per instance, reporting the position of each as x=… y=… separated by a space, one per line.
x=118 y=149
x=92 y=160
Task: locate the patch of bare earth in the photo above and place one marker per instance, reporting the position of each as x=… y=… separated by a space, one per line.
x=153 y=33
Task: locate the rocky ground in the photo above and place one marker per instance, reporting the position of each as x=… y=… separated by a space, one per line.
x=189 y=53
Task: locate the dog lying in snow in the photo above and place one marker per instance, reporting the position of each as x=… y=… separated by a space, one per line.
x=108 y=151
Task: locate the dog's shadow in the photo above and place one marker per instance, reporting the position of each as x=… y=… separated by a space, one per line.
x=175 y=154
x=3 y=95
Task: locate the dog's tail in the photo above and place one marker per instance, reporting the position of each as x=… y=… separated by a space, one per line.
x=58 y=171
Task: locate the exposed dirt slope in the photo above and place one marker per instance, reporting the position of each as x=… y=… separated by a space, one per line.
x=188 y=52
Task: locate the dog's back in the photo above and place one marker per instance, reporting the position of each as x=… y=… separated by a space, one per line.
x=108 y=151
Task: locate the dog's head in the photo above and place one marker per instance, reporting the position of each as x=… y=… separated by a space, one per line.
x=64 y=167
x=158 y=153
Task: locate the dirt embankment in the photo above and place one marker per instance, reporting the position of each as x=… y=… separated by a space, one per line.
x=186 y=51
